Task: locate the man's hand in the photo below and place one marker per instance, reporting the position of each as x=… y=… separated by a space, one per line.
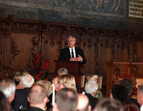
x=72 y=59
x=79 y=58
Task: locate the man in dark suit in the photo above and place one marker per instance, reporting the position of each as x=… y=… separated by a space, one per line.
x=91 y=88
x=37 y=98
x=20 y=100
x=72 y=53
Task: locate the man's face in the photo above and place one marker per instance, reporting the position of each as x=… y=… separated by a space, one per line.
x=59 y=86
x=71 y=42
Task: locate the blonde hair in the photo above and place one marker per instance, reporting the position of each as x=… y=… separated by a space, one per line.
x=47 y=85
x=68 y=81
x=96 y=78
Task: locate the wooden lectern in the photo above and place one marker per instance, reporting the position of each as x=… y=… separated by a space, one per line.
x=74 y=68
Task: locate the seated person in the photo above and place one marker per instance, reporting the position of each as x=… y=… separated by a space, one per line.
x=20 y=100
x=49 y=89
x=4 y=103
x=66 y=81
x=99 y=82
x=91 y=88
x=107 y=104
x=8 y=87
x=129 y=85
x=83 y=103
x=66 y=100
x=121 y=94
x=37 y=98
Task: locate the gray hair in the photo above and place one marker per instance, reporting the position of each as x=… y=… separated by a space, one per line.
x=63 y=71
x=72 y=37
x=91 y=86
x=8 y=87
x=27 y=80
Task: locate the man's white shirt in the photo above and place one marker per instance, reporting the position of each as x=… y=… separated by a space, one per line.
x=70 y=49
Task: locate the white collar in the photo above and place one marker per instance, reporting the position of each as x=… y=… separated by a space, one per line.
x=72 y=48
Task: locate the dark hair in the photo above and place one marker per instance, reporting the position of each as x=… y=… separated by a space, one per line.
x=66 y=99
x=4 y=103
x=107 y=104
x=128 y=84
x=130 y=107
x=120 y=93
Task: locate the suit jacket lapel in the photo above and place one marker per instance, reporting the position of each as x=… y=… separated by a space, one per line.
x=68 y=53
x=76 y=51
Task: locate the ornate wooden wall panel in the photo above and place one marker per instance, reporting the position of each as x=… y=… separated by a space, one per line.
x=51 y=51
x=139 y=54
x=23 y=38
x=87 y=45
x=23 y=47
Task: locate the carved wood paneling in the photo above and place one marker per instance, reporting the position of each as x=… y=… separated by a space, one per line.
x=99 y=44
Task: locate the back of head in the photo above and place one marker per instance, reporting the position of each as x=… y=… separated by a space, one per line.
x=120 y=93
x=91 y=87
x=37 y=94
x=83 y=103
x=4 y=104
x=66 y=99
x=68 y=81
x=8 y=87
x=27 y=80
x=106 y=104
x=62 y=71
x=128 y=84
x=130 y=107
x=47 y=85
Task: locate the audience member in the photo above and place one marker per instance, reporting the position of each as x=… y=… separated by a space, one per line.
x=17 y=76
x=20 y=100
x=121 y=94
x=98 y=81
x=47 y=85
x=62 y=71
x=66 y=100
x=140 y=96
x=91 y=88
x=49 y=88
x=129 y=85
x=37 y=98
x=83 y=103
x=106 y=104
x=4 y=103
x=8 y=87
x=66 y=81
x=130 y=107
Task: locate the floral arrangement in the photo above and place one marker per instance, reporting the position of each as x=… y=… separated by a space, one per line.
x=38 y=64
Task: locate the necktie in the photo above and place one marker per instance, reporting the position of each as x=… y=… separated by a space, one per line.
x=72 y=53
